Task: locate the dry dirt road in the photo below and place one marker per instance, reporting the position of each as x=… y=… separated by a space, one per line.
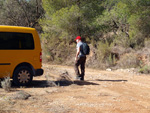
x=101 y=92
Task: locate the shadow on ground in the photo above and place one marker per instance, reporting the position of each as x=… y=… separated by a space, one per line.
x=45 y=83
x=80 y=83
x=112 y=80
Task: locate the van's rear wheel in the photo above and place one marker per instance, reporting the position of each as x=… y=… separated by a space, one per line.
x=23 y=76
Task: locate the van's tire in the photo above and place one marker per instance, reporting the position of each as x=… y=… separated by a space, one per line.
x=22 y=76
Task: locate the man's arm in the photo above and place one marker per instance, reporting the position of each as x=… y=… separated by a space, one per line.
x=78 y=52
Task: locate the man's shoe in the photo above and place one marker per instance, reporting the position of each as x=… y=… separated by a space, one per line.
x=82 y=78
x=78 y=78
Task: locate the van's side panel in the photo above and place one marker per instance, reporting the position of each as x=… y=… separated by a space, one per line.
x=9 y=59
x=5 y=63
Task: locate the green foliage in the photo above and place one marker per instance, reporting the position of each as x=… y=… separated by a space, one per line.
x=115 y=17
x=121 y=40
x=111 y=60
x=57 y=51
x=105 y=23
x=103 y=50
x=63 y=23
x=128 y=19
x=145 y=69
x=68 y=19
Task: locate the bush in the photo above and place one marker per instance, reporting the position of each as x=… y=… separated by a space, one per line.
x=145 y=69
x=103 y=51
x=128 y=60
x=147 y=43
x=6 y=84
x=122 y=40
x=111 y=60
x=57 y=51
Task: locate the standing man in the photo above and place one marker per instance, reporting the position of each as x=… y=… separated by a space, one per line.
x=80 y=59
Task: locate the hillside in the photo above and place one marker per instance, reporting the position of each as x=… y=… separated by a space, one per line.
x=116 y=30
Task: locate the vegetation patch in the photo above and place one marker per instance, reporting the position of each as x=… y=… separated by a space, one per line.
x=6 y=84
x=145 y=69
x=109 y=26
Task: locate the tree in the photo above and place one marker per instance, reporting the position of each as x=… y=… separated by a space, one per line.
x=70 y=18
x=126 y=17
x=21 y=12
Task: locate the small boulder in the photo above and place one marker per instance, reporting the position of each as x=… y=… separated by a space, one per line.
x=21 y=95
x=108 y=69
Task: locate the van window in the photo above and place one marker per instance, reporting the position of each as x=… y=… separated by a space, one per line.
x=16 y=41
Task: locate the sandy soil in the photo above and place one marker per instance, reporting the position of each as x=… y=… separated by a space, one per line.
x=101 y=92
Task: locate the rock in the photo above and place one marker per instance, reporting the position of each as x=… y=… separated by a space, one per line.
x=108 y=69
x=21 y=95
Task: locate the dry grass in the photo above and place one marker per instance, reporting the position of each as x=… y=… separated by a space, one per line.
x=6 y=84
x=63 y=79
x=128 y=60
x=50 y=82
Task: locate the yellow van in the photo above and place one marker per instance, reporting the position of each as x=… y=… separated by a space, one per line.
x=20 y=54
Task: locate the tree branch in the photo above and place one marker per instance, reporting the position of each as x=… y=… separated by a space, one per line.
x=21 y=5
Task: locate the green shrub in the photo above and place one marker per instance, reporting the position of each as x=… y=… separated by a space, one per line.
x=121 y=40
x=57 y=51
x=103 y=51
x=111 y=60
x=145 y=69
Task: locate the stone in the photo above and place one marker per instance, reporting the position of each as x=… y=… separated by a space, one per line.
x=21 y=95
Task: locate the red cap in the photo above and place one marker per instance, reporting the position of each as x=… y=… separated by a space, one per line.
x=78 y=37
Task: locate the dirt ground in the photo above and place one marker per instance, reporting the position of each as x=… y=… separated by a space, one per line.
x=101 y=92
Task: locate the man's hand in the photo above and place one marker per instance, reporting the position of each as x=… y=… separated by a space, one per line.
x=78 y=51
x=76 y=58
